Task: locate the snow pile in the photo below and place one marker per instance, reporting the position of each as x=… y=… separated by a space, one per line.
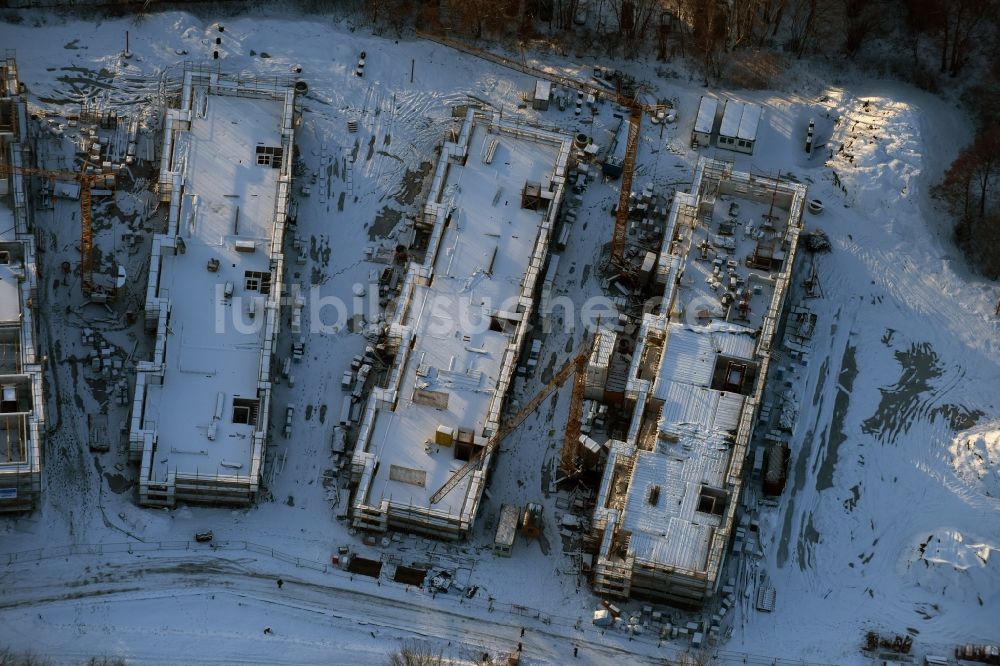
x=960 y=566
x=876 y=145
x=975 y=456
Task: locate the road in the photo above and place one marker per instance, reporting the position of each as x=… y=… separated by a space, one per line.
x=201 y=608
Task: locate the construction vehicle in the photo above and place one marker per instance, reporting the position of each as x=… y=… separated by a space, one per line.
x=531 y=522
x=577 y=364
x=87 y=180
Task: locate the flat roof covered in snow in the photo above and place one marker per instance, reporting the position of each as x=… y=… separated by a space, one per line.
x=692 y=449
x=543 y=89
x=740 y=120
x=706 y=115
x=214 y=347
x=484 y=255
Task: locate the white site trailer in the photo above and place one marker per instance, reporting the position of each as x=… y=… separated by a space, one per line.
x=503 y=543
x=739 y=126
x=704 y=123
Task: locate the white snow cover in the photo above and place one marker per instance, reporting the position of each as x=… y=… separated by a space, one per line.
x=837 y=546
x=228 y=199
x=740 y=120
x=976 y=457
x=705 y=120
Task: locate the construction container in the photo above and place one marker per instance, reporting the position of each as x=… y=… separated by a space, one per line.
x=503 y=542
x=776 y=458
x=704 y=122
x=444 y=435
x=647 y=268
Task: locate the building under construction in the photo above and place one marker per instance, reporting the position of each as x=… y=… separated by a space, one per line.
x=458 y=328
x=22 y=406
x=200 y=414
x=669 y=493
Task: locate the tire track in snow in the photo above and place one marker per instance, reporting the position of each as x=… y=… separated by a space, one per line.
x=165 y=579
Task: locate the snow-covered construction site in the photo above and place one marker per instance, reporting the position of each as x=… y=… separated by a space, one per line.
x=317 y=345
x=215 y=281
x=448 y=382
x=670 y=492
x=22 y=407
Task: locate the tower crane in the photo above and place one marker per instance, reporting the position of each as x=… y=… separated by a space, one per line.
x=87 y=181
x=628 y=169
x=622 y=97
x=577 y=364
x=571 y=443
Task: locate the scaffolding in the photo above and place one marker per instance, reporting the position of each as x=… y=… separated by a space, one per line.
x=169 y=483
x=685 y=567
x=22 y=407
x=374 y=512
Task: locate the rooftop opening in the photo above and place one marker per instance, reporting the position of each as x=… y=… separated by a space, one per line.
x=257 y=281
x=246 y=411
x=712 y=501
x=734 y=375
x=654 y=495
x=270 y=156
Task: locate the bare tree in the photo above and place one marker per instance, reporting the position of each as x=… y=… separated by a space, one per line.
x=861 y=19
x=962 y=18
x=474 y=17
x=803 y=16
x=10 y=658
x=565 y=13
x=709 y=28
x=955 y=24
x=633 y=18
x=753 y=22
x=392 y=13
x=966 y=189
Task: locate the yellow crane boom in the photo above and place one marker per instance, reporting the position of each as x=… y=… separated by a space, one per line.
x=577 y=364
x=628 y=169
x=86 y=180
x=571 y=443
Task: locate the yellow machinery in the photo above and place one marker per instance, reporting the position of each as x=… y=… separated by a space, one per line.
x=578 y=365
x=87 y=181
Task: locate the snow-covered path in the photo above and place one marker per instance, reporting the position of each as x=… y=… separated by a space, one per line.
x=222 y=602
